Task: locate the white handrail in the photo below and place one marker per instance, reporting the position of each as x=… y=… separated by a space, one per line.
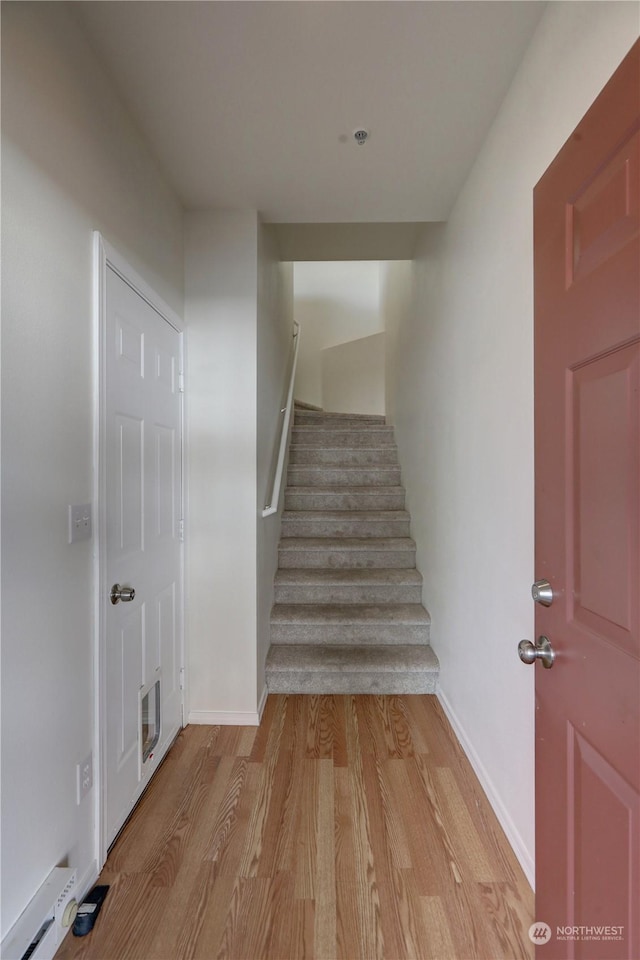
x=272 y=506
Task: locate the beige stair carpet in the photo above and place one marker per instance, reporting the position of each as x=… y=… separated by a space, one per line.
x=348 y=614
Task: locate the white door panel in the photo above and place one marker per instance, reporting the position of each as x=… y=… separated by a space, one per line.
x=143 y=499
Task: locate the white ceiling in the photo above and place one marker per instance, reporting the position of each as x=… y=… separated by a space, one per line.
x=248 y=104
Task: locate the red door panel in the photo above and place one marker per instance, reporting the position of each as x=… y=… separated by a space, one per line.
x=602 y=421
x=587 y=382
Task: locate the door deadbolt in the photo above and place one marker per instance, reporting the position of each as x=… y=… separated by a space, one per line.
x=542 y=592
x=118 y=593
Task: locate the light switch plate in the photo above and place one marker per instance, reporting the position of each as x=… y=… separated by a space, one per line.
x=79 y=522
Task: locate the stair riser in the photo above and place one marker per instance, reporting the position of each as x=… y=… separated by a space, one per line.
x=355 y=477
x=348 y=593
x=349 y=527
x=309 y=418
x=351 y=634
x=344 y=456
x=347 y=559
x=376 y=500
x=327 y=437
x=341 y=683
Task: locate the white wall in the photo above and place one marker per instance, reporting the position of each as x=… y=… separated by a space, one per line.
x=238 y=309
x=72 y=162
x=333 y=303
x=464 y=403
x=347 y=241
x=221 y=278
x=274 y=346
x=396 y=291
x=353 y=376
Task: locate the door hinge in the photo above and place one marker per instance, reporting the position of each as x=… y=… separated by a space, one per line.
x=181 y=382
x=181 y=530
x=182 y=678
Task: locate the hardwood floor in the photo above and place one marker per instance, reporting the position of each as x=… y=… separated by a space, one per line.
x=343 y=827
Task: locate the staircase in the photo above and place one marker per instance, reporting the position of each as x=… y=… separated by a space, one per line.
x=348 y=616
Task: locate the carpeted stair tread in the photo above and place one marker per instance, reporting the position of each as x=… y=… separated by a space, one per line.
x=345 y=523
x=340 y=577
x=331 y=436
x=313 y=455
x=303 y=475
x=326 y=416
x=344 y=498
x=391 y=659
x=347 y=552
x=339 y=514
x=308 y=668
x=354 y=586
x=350 y=613
x=351 y=490
x=365 y=544
x=373 y=445
x=378 y=498
x=357 y=624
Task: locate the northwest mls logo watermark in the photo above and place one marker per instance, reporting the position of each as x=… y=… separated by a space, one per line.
x=601 y=932
x=540 y=933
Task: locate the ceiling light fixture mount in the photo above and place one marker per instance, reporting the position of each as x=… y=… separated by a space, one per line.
x=360 y=136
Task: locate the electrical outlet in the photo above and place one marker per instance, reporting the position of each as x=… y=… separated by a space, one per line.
x=84 y=778
x=79 y=522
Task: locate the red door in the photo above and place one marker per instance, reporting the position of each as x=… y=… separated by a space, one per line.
x=587 y=356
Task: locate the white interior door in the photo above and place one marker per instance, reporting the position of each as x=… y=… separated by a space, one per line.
x=142 y=470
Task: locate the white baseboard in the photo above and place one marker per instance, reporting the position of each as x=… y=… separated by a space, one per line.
x=230 y=718
x=518 y=846
x=87 y=880
x=225 y=718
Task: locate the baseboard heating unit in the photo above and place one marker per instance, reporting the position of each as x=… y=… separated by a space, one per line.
x=41 y=928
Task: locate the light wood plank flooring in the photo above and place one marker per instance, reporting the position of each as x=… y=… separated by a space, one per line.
x=343 y=827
